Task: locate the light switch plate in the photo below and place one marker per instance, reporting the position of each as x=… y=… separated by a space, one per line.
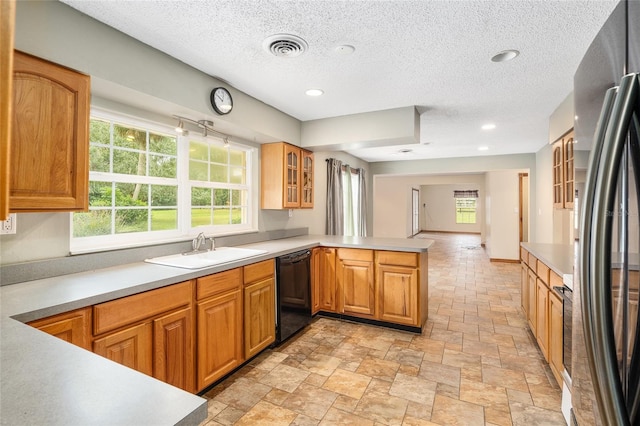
x=8 y=226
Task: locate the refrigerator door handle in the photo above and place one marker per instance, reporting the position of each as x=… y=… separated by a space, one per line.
x=608 y=389
x=585 y=226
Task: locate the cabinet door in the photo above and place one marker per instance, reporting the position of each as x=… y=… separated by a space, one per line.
x=533 y=308
x=306 y=200
x=558 y=186
x=555 y=336
x=130 y=347
x=259 y=316
x=50 y=137
x=542 y=318
x=292 y=176
x=73 y=327
x=524 y=289
x=398 y=294
x=568 y=171
x=219 y=325
x=323 y=279
x=173 y=353
x=356 y=290
x=7 y=24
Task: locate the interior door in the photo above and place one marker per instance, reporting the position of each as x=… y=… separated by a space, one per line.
x=415 y=211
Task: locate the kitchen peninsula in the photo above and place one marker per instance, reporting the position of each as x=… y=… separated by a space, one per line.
x=46 y=379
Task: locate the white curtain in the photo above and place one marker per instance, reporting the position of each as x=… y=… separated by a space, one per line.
x=346 y=200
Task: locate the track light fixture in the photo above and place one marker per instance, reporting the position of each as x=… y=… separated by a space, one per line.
x=205 y=125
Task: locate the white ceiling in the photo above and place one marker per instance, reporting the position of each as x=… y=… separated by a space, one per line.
x=431 y=54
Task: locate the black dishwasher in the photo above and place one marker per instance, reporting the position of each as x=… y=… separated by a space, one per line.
x=293 y=301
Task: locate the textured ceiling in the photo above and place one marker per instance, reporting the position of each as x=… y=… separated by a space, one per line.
x=431 y=54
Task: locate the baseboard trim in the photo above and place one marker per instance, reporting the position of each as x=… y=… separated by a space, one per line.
x=504 y=260
x=449 y=232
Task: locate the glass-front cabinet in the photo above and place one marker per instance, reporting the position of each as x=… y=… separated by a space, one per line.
x=307 y=180
x=286 y=177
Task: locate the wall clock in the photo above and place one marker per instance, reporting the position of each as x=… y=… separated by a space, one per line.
x=221 y=100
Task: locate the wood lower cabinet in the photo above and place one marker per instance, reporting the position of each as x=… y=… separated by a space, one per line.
x=397 y=278
x=532 y=312
x=542 y=317
x=259 y=307
x=355 y=283
x=173 y=349
x=151 y=332
x=323 y=279
x=73 y=327
x=524 y=289
x=555 y=335
x=219 y=326
x=49 y=148
x=131 y=347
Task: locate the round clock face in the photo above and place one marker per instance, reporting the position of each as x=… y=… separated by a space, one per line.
x=221 y=100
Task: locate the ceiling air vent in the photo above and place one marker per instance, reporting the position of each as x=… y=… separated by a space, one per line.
x=285 y=45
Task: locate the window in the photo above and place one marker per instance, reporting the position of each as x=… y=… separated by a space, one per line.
x=465 y=210
x=148 y=185
x=466 y=204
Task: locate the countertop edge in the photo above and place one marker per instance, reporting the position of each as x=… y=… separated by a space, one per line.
x=558 y=257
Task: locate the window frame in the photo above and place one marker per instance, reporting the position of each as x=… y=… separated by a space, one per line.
x=475 y=210
x=184 y=230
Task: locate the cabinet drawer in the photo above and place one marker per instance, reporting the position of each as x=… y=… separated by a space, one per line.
x=555 y=280
x=128 y=310
x=533 y=263
x=218 y=283
x=543 y=272
x=397 y=258
x=356 y=254
x=258 y=271
x=524 y=255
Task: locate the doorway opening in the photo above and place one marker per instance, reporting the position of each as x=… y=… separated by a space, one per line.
x=524 y=206
x=415 y=211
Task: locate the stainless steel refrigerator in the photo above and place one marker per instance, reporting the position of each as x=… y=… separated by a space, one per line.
x=605 y=366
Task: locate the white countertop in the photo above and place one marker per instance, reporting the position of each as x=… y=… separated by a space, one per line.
x=45 y=380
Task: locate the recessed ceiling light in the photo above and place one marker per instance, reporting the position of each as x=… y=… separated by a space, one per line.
x=345 y=49
x=505 y=55
x=488 y=126
x=314 y=92
x=483 y=148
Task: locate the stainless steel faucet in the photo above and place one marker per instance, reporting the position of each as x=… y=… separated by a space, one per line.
x=198 y=242
x=213 y=243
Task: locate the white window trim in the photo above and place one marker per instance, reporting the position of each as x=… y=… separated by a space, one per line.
x=184 y=231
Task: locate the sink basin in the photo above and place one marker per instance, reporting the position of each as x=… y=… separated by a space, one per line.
x=209 y=258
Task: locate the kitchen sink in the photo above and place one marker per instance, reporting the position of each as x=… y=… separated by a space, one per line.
x=207 y=258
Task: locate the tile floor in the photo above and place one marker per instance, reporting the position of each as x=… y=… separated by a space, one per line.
x=474 y=364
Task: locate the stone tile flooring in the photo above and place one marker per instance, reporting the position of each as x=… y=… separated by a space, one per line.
x=474 y=364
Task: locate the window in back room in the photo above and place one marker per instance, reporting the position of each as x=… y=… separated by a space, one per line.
x=466 y=205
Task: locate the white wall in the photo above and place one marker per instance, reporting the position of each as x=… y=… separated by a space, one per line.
x=392 y=199
x=502 y=210
x=440 y=210
x=544 y=196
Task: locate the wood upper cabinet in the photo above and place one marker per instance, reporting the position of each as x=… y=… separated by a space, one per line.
x=49 y=148
x=555 y=335
x=563 y=172
x=323 y=279
x=306 y=194
x=397 y=278
x=286 y=177
x=259 y=307
x=151 y=332
x=73 y=327
x=7 y=25
x=219 y=326
x=355 y=283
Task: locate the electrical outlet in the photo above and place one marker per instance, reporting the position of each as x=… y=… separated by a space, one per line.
x=8 y=226
x=290 y=212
